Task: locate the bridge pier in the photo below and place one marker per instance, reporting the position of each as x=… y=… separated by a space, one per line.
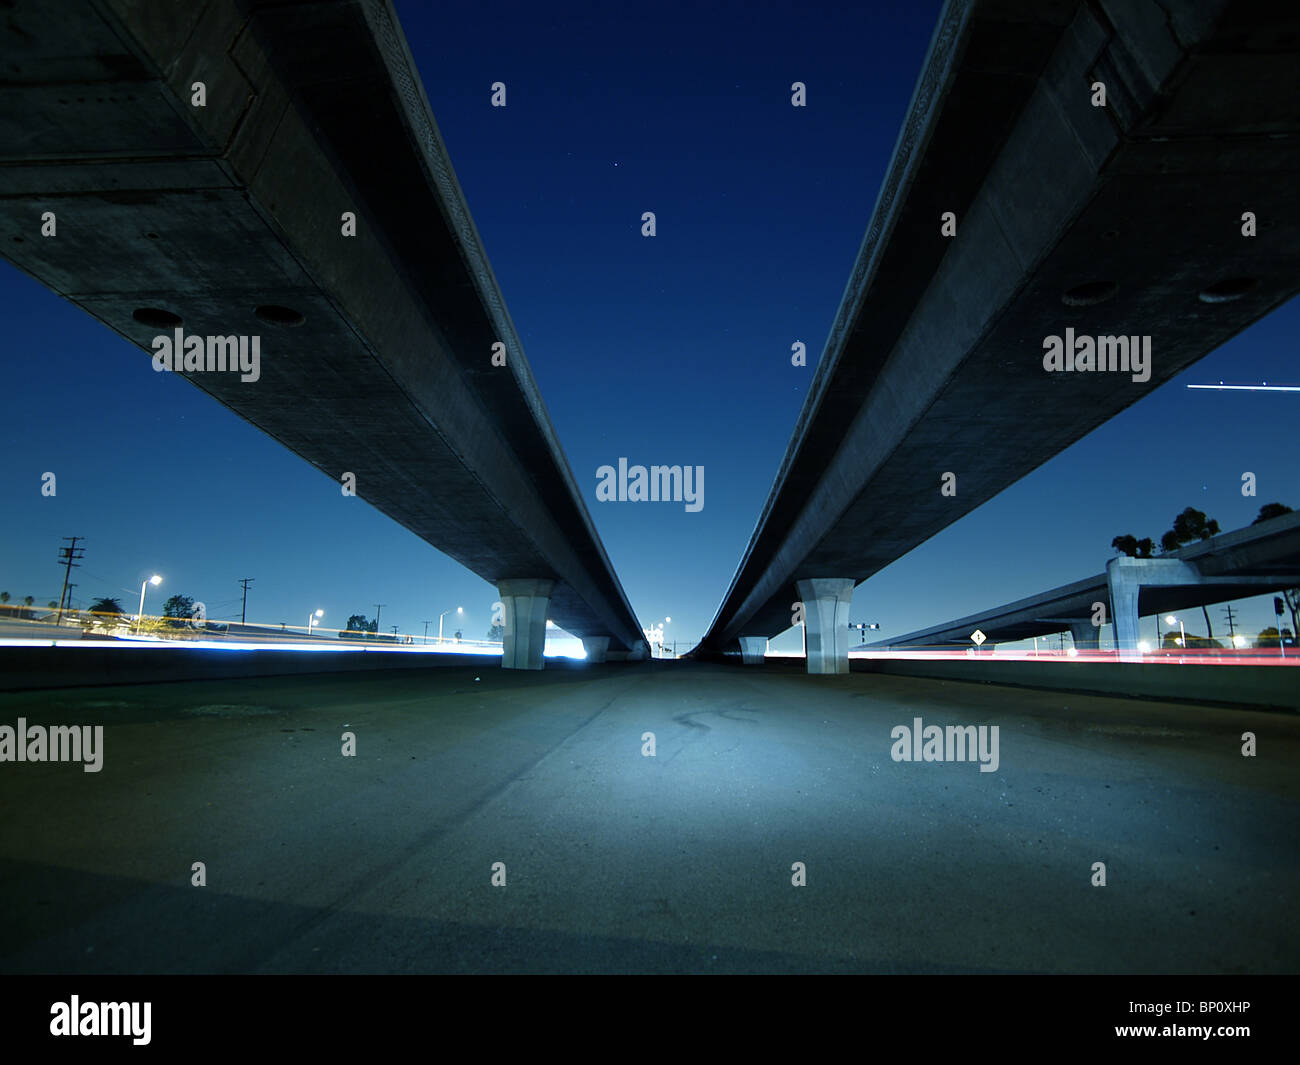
x=526 y=604
x=1126 y=577
x=596 y=647
x=637 y=654
x=752 y=650
x=1087 y=636
x=826 y=602
x=1125 y=584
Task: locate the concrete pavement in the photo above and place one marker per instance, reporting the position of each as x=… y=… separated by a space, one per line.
x=617 y=862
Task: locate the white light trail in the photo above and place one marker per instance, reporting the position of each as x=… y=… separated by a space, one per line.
x=1265 y=387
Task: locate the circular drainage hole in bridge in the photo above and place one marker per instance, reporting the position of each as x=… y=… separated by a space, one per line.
x=156 y=318
x=273 y=314
x=1232 y=288
x=1089 y=293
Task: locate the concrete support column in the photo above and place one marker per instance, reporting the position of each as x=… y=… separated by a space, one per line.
x=1127 y=577
x=826 y=602
x=596 y=647
x=526 y=604
x=752 y=649
x=1122 y=578
x=1087 y=636
x=637 y=654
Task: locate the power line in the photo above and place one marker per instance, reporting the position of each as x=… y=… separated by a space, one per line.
x=108 y=581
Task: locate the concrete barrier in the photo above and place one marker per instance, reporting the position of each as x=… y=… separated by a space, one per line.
x=28 y=668
x=1256 y=687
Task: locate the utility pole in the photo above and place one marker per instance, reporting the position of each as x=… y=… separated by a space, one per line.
x=426 y=631
x=68 y=556
x=378 y=608
x=1232 y=622
x=243 y=607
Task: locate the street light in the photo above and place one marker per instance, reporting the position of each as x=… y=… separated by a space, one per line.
x=312 y=618
x=459 y=610
x=1182 y=633
x=154 y=580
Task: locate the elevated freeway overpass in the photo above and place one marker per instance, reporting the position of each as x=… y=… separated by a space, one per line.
x=1256 y=560
x=270 y=174
x=1069 y=174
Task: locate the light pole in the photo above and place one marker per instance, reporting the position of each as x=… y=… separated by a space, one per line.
x=139 y=620
x=667 y=621
x=312 y=619
x=1182 y=633
x=459 y=610
x=865 y=627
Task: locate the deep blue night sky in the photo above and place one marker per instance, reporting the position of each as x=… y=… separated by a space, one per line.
x=674 y=349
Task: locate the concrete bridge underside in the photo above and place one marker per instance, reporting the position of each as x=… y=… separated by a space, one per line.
x=1118 y=220
x=231 y=218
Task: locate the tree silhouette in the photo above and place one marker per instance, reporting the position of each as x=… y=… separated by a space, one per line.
x=1268 y=637
x=178 y=610
x=178 y=606
x=1271 y=510
x=106 y=611
x=360 y=625
x=1172 y=637
x=1190 y=525
x=1130 y=545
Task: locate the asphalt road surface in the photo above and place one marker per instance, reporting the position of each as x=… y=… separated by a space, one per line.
x=619 y=862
